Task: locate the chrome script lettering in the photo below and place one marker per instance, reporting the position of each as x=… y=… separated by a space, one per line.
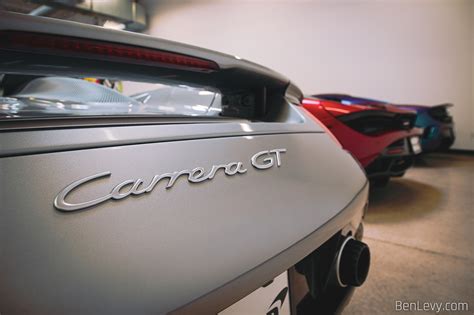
x=270 y=157
x=262 y=160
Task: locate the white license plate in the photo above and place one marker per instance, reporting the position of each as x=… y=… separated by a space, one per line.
x=271 y=299
x=415 y=144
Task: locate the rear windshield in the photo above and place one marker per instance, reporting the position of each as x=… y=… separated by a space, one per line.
x=39 y=96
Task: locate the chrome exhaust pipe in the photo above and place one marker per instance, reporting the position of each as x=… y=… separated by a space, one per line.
x=352 y=264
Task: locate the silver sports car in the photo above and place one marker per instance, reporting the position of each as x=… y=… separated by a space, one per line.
x=143 y=176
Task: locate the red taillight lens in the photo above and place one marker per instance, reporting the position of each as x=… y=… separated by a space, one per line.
x=55 y=44
x=307 y=104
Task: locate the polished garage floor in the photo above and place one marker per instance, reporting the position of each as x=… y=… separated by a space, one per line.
x=421 y=232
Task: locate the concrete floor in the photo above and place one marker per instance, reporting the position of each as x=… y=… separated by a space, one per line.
x=421 y=232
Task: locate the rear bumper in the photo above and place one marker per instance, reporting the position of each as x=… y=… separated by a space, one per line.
x=438 y=137
x=191 y=249
x=389 y=166
x=346 y=222
x=395 y=159
x=178 y=251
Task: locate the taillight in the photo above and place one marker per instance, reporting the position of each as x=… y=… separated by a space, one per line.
x=79 y=47
x=306 y=102
x=373 y=123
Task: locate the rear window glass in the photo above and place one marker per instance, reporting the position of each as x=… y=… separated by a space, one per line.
x=28 y=96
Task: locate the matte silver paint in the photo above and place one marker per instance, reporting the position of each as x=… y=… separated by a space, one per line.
x=347 y=221
x=155 y=254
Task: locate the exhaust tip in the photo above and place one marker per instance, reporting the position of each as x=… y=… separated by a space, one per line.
x=353 y=263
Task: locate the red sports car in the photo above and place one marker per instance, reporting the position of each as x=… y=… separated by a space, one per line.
x=381 y=137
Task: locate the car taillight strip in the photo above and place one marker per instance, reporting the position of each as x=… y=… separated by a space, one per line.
x=26 y=41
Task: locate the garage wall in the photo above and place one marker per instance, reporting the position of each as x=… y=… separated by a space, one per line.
x=472 y=76
x=406 y=51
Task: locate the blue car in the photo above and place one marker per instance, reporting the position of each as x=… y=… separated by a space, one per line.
x=436 y=122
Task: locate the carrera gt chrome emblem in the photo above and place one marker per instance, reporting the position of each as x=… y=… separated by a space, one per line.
x=262 y=160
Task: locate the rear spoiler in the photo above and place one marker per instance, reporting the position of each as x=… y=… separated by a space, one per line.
x=176 y=61
x=443 y=105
